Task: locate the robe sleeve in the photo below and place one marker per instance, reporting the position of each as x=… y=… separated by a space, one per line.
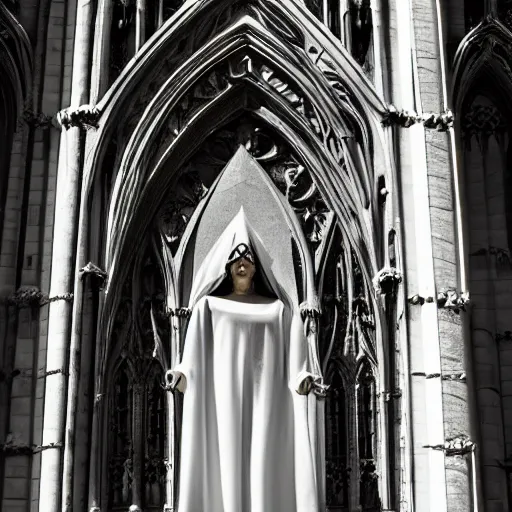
x=301 y=368
x=306 y=439
x=195 y=471
x=192 y=361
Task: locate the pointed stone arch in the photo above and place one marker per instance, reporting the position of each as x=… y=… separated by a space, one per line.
x=282 y=69
x=481 y=95
x=483 y=53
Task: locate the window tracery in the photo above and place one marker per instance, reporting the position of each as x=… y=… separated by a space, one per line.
x=137 y=463
x=348 y=318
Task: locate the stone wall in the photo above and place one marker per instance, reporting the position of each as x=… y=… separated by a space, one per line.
x=27 y=239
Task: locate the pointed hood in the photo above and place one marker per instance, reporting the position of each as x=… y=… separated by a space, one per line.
x=237 y=236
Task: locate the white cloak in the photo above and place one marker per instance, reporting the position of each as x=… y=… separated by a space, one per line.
x=241 y=449
x=249 y=440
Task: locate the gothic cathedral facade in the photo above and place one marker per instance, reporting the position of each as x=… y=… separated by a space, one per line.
x=383 y=127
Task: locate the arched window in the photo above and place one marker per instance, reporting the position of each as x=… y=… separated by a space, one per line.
x=334 y=17
x=155 y=441
x=137 y=440
x=366 y=439
x=337 y=470
x=122 y=36
x=121 y=448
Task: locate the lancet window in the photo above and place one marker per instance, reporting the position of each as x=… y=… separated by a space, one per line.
x=121 y=448
x=137 y=402
x=334 y=17
x=336 y=440
x=351 y=21
x=133 y=23
x=366 y=414
x=137 y=440
x=366 y=434
x=347 y=344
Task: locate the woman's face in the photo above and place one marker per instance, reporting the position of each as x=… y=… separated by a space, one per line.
x=242 y=270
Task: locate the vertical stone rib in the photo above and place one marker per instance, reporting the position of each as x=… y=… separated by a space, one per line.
x=101 y=53
x=427 y=414
x=140 y=25
x=57 y=431
x=58 y=325
x=449 y=270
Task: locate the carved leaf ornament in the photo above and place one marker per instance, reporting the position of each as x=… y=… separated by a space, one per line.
x=265 y=74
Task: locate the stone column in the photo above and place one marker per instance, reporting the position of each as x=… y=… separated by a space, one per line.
x=448 y=260
x=428 y=488
x=62 y=277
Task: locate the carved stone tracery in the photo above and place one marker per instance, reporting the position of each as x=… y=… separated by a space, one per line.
x=346 y=318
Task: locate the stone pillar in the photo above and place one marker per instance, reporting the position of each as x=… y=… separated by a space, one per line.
x=62 y=281
x=428 y=488
x=442 y=426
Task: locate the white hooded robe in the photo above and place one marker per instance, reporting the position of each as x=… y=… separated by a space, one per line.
x=247 y=444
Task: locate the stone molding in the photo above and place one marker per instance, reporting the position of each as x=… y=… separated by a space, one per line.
x=387 y=280
x=85 y=116
x=405 y=119
x=446 y=299
x=37 y=119
x=93 y=270
x=28 y=297
x=461 y=445
x=455 y=376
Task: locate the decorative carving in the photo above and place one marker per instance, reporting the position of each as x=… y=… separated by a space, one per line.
x=338 y=482
x=456 y=377
x=180 y=206
x=387 y=281
x=416 y=300
x=388 y=395
x=11 y=447
x=440 y=122
x=37 y=120
x=29 y=297
x=456 y=446
x=85 y=116
x=292 y=179
x=92 y=270
x=450 y=299
x=503 y=256
x=483 y=121
x=369 y=499
x=506 y=336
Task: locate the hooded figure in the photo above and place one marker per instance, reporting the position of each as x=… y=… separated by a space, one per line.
x=247 y=444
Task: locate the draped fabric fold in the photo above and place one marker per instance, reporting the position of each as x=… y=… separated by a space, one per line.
x=248 y=438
